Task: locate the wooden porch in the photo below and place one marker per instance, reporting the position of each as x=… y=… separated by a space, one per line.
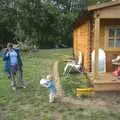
x=105 y=82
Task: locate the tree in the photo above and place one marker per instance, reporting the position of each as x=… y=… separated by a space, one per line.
x=40 y=22
x=7 y=21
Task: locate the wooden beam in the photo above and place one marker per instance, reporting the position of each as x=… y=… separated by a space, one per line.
x=103 y=5
x=110 y=13
x=96 y=45
x=75 y=41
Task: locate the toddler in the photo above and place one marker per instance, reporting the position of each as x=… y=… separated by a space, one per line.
x=51 y=87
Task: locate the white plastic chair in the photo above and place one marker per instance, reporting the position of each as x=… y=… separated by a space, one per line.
x=73 y=66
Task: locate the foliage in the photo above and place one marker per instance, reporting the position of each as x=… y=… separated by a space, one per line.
x=73 y=81
x=44 y=23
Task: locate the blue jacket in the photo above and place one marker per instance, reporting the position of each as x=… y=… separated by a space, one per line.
x=7 y=60
x=51 y=86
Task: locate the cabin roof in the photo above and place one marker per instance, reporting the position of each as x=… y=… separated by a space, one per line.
x=84 y=15
x=103 y=5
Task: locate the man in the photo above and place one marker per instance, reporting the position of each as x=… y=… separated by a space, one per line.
x=13 y=65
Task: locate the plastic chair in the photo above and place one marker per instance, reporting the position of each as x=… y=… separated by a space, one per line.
x=73 y=65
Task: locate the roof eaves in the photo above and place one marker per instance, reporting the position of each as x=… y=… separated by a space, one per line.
x=103 y=5
x=82 y=17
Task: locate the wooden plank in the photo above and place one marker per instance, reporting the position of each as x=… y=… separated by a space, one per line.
x=84 y=91
x=107 y=86
x=75 y=42
x=82 y=45
x=96 y=44
x=111 y=12
x=105 y=82
x=104 y=5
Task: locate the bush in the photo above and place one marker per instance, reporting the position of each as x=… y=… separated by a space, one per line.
x=22 y=46
x=72 y=82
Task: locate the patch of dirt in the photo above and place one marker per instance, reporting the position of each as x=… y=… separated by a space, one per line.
x=26 y=107
x=57 y=80
x=95 y=103
x=57 y=116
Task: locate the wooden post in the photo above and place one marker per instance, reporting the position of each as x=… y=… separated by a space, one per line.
x=76 y=37
x=74 y=41
x=96 y=45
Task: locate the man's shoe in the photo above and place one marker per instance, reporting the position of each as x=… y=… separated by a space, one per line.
x=12 y=84
x=23 y=86
x=14 y=88
x=8 y=77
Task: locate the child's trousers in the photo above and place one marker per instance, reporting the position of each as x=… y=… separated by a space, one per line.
x=52 y=96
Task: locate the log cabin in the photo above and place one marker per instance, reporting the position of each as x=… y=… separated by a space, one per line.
x=96 y=33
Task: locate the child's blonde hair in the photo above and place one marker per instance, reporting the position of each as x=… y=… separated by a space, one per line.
x=49 y=77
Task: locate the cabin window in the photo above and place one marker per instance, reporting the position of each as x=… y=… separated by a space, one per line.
x=114 y=37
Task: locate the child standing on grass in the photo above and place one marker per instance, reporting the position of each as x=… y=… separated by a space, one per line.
x=51 y=87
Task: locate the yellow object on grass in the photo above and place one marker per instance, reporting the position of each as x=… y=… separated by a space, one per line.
x=84 y=91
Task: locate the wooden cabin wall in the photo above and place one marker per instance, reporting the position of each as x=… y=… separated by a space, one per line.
x=74 y=42
x=81 y=37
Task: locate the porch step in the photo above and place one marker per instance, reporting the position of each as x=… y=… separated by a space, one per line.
x=108 y=85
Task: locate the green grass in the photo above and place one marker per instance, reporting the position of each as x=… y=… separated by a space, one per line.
x=73 y=81
x=32 y=103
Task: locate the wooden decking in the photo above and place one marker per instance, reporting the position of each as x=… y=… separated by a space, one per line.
x=105 y=82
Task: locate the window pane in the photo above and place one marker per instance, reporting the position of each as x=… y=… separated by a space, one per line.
x=118 y=33
x=111 y=42
x=118 y=43
x=111 y=32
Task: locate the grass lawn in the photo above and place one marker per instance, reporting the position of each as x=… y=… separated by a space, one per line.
x=72 y=81
x=32 y=103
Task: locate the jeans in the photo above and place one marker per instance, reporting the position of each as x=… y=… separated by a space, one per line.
x=52 y=96
x=16 y=75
